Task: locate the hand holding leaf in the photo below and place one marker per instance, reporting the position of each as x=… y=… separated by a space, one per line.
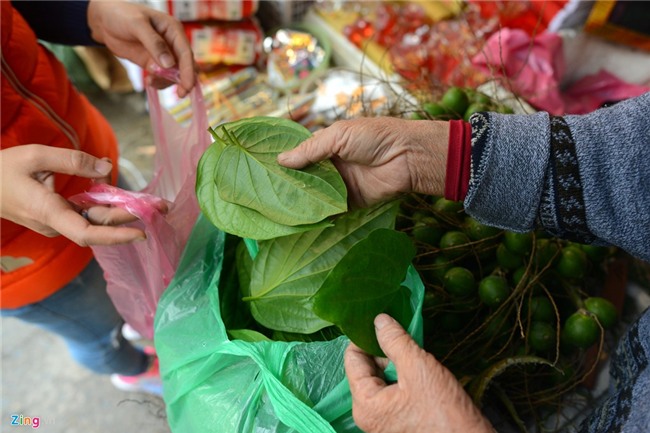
x=244 y=191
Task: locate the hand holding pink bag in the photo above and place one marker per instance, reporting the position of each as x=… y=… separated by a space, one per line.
x=138 y=273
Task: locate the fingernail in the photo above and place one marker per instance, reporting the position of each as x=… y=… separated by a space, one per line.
x=382 y=320
x=166 y=60
x=103 y=167
x=285 y=158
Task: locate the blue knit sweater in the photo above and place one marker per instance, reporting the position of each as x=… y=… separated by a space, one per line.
x=585 y=178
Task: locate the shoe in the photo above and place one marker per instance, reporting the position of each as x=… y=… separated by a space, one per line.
x=148 y=382
x=130 y=334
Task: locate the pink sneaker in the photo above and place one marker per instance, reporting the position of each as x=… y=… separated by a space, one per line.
x=148 y=382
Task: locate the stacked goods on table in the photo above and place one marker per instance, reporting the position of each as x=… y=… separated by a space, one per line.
x=231 y=95
x=242 y=73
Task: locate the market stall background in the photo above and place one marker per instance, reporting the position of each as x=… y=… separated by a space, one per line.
x=233 y=92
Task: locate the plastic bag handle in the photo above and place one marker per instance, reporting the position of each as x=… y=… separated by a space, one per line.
x=289 y=409
x=142 y=205
x=199 y=120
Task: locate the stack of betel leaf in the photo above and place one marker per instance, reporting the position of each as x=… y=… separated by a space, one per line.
x=319 y=269
x=244 y=191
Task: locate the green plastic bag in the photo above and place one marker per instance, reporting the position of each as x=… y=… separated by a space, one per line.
x=213 y=384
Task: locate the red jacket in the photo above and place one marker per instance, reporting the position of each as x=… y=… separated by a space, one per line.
x=41 y=106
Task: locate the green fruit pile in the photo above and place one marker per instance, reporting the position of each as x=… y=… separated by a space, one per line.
x=459 y=103
x=507 y=308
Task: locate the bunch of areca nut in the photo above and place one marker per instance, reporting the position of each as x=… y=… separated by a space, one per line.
x=515 y=316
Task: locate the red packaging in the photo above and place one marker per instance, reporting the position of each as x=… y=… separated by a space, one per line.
x=225 y=43
x=201 y=10
x=532 y=16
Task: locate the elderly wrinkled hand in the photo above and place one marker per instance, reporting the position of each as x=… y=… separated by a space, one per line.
x=426 y=398
x=379 y=158
x=28 y=198
x=147 y=37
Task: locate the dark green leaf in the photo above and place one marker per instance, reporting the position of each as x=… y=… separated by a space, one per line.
x=325 y=334
x=234 y=312
x=247 y=335
x=244 y=266
x=366 y=282
x=400 y=307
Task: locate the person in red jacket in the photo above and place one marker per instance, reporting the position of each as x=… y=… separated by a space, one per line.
x=54 y=145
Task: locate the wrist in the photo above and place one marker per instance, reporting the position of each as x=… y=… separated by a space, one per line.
x=93 y=18
x=428 y=158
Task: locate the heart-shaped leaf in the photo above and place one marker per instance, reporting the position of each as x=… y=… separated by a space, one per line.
x=366 y=282
x=288 y=271
x=244 y=191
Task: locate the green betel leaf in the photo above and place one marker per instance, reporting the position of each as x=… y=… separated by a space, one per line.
x=288 y=271
x=247 y=335
x=244 y=264
x=366 y=282
x=248 y=173
x=325 y=334
x=235 y=313
x=245 y=173
x=400 y=309
x=232 y=218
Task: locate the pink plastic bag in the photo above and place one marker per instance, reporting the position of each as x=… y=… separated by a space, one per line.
x=536 y=67
x=591 y=91
x=138 y=273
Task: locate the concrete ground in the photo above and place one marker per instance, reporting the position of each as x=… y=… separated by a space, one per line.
x=39 y=378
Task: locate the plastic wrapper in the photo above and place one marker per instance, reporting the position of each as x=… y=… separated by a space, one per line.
x=225 y=43
x=535 y=68
x=293 y=56
x=342 y=94
x=198 y=10
x=531 y=16
x=215 y=384
x=138 y=273
x=595 y=90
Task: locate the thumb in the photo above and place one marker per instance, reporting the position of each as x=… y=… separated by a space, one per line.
x=73 y=162
x=318 y=147
x=396 y=343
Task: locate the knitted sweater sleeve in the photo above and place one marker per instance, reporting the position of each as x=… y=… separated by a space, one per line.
x=585 y=177
x=61 y=22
